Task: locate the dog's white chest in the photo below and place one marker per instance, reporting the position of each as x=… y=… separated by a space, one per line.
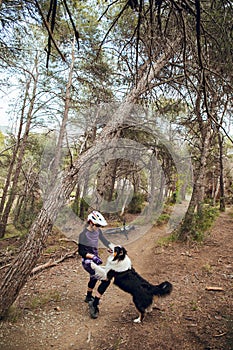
x=118 y=265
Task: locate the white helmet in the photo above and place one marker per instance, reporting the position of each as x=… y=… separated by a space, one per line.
x=96 y=218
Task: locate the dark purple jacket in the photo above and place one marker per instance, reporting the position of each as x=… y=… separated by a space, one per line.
x=88 y=242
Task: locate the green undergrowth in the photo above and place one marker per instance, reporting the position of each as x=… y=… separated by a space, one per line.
x=14 y=314
x=42 y=299
x=12 y=232
x=34 y=302
x=230 y=213
x=201 y=225
x=163 y=219
x=203 y=222
x=165 y=241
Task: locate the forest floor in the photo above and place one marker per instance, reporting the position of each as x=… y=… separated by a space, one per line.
x=50 y=312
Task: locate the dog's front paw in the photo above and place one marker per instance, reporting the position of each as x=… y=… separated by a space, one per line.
x=137 y=320
x=93 y=265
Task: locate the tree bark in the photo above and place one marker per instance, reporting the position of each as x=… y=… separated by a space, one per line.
x=106 y=179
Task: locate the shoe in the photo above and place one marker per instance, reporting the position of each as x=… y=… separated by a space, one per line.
x=87 y=299
x=94 y=310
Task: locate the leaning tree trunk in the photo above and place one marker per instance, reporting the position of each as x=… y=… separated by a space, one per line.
x=18 y=272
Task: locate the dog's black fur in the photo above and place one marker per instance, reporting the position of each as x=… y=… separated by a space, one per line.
x=131 y=282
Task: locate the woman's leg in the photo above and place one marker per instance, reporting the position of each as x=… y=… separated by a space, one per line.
x=91 y=285
x=94 y=310
x=92 y=281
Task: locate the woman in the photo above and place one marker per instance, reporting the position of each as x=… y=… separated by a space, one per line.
x=88 y=249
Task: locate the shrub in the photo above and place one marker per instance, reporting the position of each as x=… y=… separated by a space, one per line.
x=163 y=219
x=206 y=218
x=137 y=203
x=203 y=221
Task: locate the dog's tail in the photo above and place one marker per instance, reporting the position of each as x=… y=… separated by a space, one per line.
x=162 y=289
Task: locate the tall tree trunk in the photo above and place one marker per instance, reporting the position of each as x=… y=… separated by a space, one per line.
x=196 y=202
x=13 y=161
x=24 y=206
x=82 y=204
x=154 y=192
x=221 y=174
x=18 y=209
x=16 y=275
x=62 y=131
x=216 y=187
x=106 y=180
x=76 y=204
x=21 y=152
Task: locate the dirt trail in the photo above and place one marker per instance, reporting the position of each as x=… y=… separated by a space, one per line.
x=50 y=312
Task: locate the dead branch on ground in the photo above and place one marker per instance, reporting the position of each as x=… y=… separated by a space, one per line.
x=52 y=263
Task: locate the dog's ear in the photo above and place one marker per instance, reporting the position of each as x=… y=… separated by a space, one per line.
x=122 y=251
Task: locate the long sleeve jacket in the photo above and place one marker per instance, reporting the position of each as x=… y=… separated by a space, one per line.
x=88 y=242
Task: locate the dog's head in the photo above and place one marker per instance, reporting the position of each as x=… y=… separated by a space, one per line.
x=119 y=253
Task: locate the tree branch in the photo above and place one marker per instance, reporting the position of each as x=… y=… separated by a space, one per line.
x=51 y=263
x=49 y=31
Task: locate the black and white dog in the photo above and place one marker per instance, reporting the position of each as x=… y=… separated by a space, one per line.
x=118 y=266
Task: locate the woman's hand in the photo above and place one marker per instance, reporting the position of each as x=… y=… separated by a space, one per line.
x=111 y=247
x=89 y=256
x=94 y=258
x=97 y=260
